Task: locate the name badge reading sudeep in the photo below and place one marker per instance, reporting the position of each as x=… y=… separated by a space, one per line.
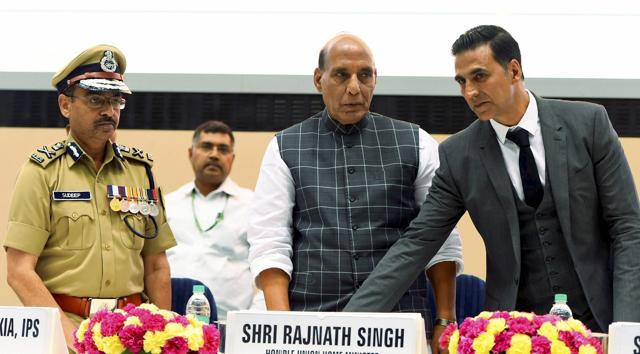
x=71 y=195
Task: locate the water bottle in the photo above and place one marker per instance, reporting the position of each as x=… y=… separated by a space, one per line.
x=560 y=307
x=198 y=305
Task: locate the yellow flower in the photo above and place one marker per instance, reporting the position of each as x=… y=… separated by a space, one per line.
x=484 y=314
x=520 y=344
x=577 y=326
x=97 y=336
x=483 y=343
x=587 y=349
x=82 y=329
x=558 y=347
x=112 y=345
x=133 y=321
x=173 y=330
x=194 y=337
x=563 y=326
x=549 y=331
x=453 y=342
x=496 y=325
x=153 y=342
x=168 y=315
x=150 y=307
x=194 y=321
x=120 y=311
x=527 y=315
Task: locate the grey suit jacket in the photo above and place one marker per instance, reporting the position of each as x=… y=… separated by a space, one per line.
x=595 y=198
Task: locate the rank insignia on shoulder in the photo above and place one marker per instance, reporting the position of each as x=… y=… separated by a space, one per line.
x=57 y=146
x=136 y=154
x=37 y=158
x=46 y=154
x=45 y=150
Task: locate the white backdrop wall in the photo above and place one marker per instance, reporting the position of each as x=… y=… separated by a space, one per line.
x=559 y=39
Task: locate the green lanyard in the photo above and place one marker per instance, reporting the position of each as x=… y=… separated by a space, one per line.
x=219 y=217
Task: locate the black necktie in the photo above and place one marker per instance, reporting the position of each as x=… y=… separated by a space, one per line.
x=533 y=191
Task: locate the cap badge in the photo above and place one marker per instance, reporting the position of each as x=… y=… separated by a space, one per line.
x=108 y=62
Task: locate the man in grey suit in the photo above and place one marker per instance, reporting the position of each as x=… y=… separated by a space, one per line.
x=548 y=187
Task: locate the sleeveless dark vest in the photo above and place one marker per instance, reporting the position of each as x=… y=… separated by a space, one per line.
x=354 y=197
x=546 y=265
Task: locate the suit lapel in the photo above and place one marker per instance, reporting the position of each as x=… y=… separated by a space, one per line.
x=555 y=151
x=493 y=161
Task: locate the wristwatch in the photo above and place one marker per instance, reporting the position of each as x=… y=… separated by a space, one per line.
x=443 y=322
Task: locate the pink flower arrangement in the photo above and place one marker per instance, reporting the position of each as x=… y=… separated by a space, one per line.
x=145 y=329
x=519 y=333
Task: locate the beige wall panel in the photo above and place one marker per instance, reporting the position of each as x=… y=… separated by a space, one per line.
x=172 y=169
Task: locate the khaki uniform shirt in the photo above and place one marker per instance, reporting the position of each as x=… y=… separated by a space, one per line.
x=84 y=248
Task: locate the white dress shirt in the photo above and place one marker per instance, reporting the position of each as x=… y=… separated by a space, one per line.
x=270 y=224
x=218 y=257
x=511 y=152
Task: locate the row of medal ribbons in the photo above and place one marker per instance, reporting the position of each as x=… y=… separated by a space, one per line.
x=133 y=200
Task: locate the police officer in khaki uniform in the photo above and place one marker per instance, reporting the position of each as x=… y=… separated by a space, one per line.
x=86 y=224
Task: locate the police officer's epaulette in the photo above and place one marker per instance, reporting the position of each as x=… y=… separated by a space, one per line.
x=44 y=155
x=133 y=153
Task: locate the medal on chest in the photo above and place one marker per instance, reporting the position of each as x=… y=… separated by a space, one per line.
x=114 y=195
x=126 y=199
x=133 y=205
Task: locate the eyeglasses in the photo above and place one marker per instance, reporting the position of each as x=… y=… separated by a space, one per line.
x=223 y=149
x=96 y=101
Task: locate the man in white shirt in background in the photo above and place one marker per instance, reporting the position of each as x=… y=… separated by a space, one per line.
x=209 y=219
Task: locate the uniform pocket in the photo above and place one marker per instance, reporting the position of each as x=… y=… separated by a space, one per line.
x=137 y=223
x=74 y=225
